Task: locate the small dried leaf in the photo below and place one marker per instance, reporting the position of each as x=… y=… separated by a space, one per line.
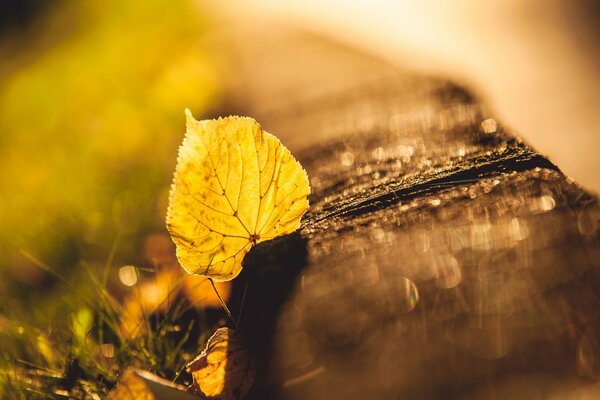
x=225 y=368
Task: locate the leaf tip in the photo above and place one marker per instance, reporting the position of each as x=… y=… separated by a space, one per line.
x=189 y=118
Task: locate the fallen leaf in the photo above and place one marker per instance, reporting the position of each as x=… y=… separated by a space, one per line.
x=141 y=385
x=234 y=186
x=130 y=387
x=225 y=368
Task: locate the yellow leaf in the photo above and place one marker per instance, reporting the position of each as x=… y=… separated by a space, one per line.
x=141 y=385
x=131 y=387
x=225 y=368
x=234 y=186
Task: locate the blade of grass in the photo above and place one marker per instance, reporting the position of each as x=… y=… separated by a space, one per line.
x=237 y=323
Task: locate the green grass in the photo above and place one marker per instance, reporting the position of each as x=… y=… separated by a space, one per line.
x=91 y=114
x=83 y=359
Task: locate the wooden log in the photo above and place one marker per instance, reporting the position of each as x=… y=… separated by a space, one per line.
x=442 y=257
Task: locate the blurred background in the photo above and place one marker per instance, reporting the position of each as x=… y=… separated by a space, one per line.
x=92 y=95
x=536 y=63
x=91 y=108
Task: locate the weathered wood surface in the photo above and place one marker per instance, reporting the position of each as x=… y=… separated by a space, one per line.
x=441 y=256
